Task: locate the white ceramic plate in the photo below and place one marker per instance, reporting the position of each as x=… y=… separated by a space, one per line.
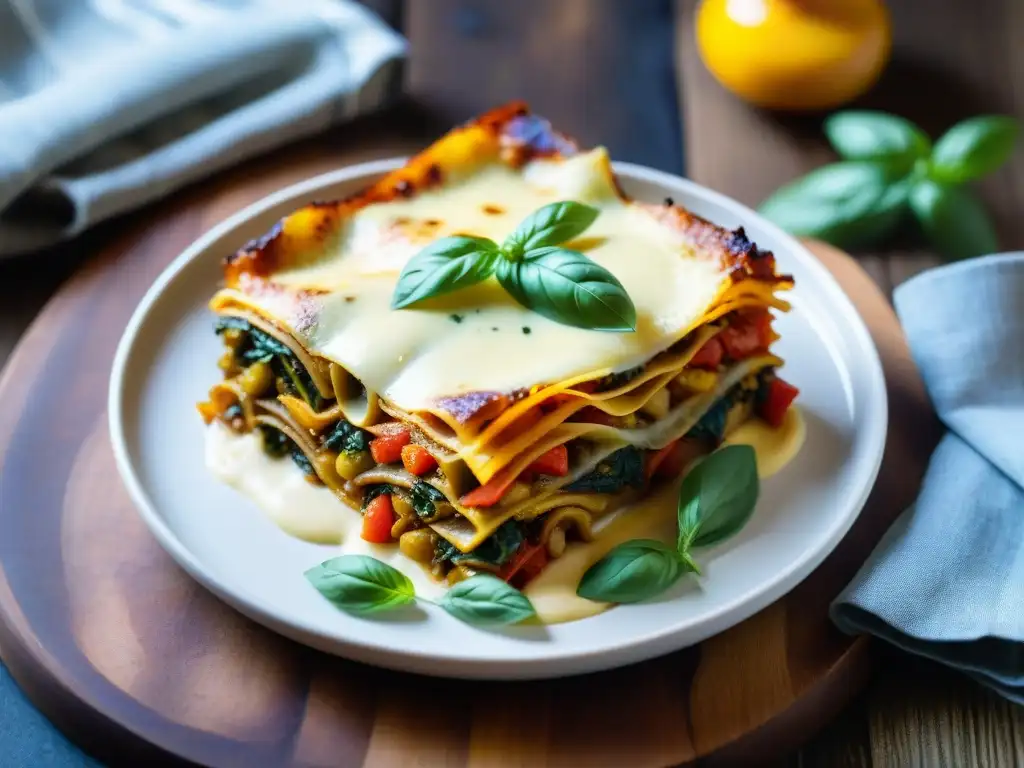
x=165 y=363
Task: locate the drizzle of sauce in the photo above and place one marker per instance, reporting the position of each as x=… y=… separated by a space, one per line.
x=553 y=592
x=314 y=514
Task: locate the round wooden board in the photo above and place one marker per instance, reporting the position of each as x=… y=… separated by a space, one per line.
x=140 y=665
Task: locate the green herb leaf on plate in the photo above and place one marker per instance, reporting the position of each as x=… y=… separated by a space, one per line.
x=973 y=148
x=717 y=497
x=844 y=203
x=954 y=220
x=633 y=571
x=486 y=600
x=361 y=584
x=567 y=287
x=552 y=224
x=867 y=135
x=446 y=265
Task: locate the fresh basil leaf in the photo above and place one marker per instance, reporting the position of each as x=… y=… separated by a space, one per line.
x=446 y=265
x=551 y=225
x=973 y=148
x=633 y=571
x=954 y=220
x=361 y=584
x=486 y=599
x=717 y=497
x=851 y=203
x=867 y=135
x=567 y=287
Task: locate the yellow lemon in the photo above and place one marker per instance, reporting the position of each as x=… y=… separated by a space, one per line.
x=794 y=54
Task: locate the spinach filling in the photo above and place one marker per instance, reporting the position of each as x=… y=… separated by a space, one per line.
x=346 y=438
x=260 y=347
x=277 y=444
x=712 y=424
x=623 y=468
x=497 y=549
x=425 y=498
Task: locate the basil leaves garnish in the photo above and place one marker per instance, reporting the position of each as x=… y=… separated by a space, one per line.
x=633 y=571
x=486 y=599
x=890 y=166
x=561 y=284
x=363 y=585
x=550 y=225
x=567 y=287
x=955 y=217
x=865 y=135
x=973 y=148
x=716 y=499
x=445 y=265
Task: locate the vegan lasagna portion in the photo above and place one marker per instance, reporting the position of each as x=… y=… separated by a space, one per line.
x=472 y=433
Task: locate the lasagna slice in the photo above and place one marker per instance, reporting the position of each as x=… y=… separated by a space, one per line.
x=494 y=436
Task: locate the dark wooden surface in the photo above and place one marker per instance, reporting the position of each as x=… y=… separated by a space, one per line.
x=952 y=58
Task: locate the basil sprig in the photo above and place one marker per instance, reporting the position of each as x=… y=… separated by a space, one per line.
x=363 y=585
x=889 y=167
x=716 y=499
x=485 y=599
x=561 y=284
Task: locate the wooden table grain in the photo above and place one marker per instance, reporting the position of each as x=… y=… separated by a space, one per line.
x=626 y=74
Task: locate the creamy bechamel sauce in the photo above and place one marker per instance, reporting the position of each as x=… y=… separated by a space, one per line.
x=313 y=513
x=473 y=339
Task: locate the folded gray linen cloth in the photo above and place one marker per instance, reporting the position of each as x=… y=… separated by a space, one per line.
x=106 y=105
x=947 y=580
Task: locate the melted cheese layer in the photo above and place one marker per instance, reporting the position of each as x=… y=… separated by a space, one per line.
x=478 y=339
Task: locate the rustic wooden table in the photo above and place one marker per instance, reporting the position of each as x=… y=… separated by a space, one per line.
x=627 y=75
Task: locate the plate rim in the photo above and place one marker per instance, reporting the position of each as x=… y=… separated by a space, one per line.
x=559 y=663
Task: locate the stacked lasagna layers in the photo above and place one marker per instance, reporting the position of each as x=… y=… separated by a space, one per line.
x=497 y=435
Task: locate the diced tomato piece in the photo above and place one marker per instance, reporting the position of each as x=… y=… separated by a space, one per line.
x=592 y=415
x=378 y=519
x=669 y=461
x=490 y=493
x=528 y=561
x=416 y=459
x=554 y=462
x=656 y=459
x=747 y=334
x=387 y=449
x=777 y=399
x=708 y=356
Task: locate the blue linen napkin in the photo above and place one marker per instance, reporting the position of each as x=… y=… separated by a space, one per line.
x=106 y=105
x=947 y=580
